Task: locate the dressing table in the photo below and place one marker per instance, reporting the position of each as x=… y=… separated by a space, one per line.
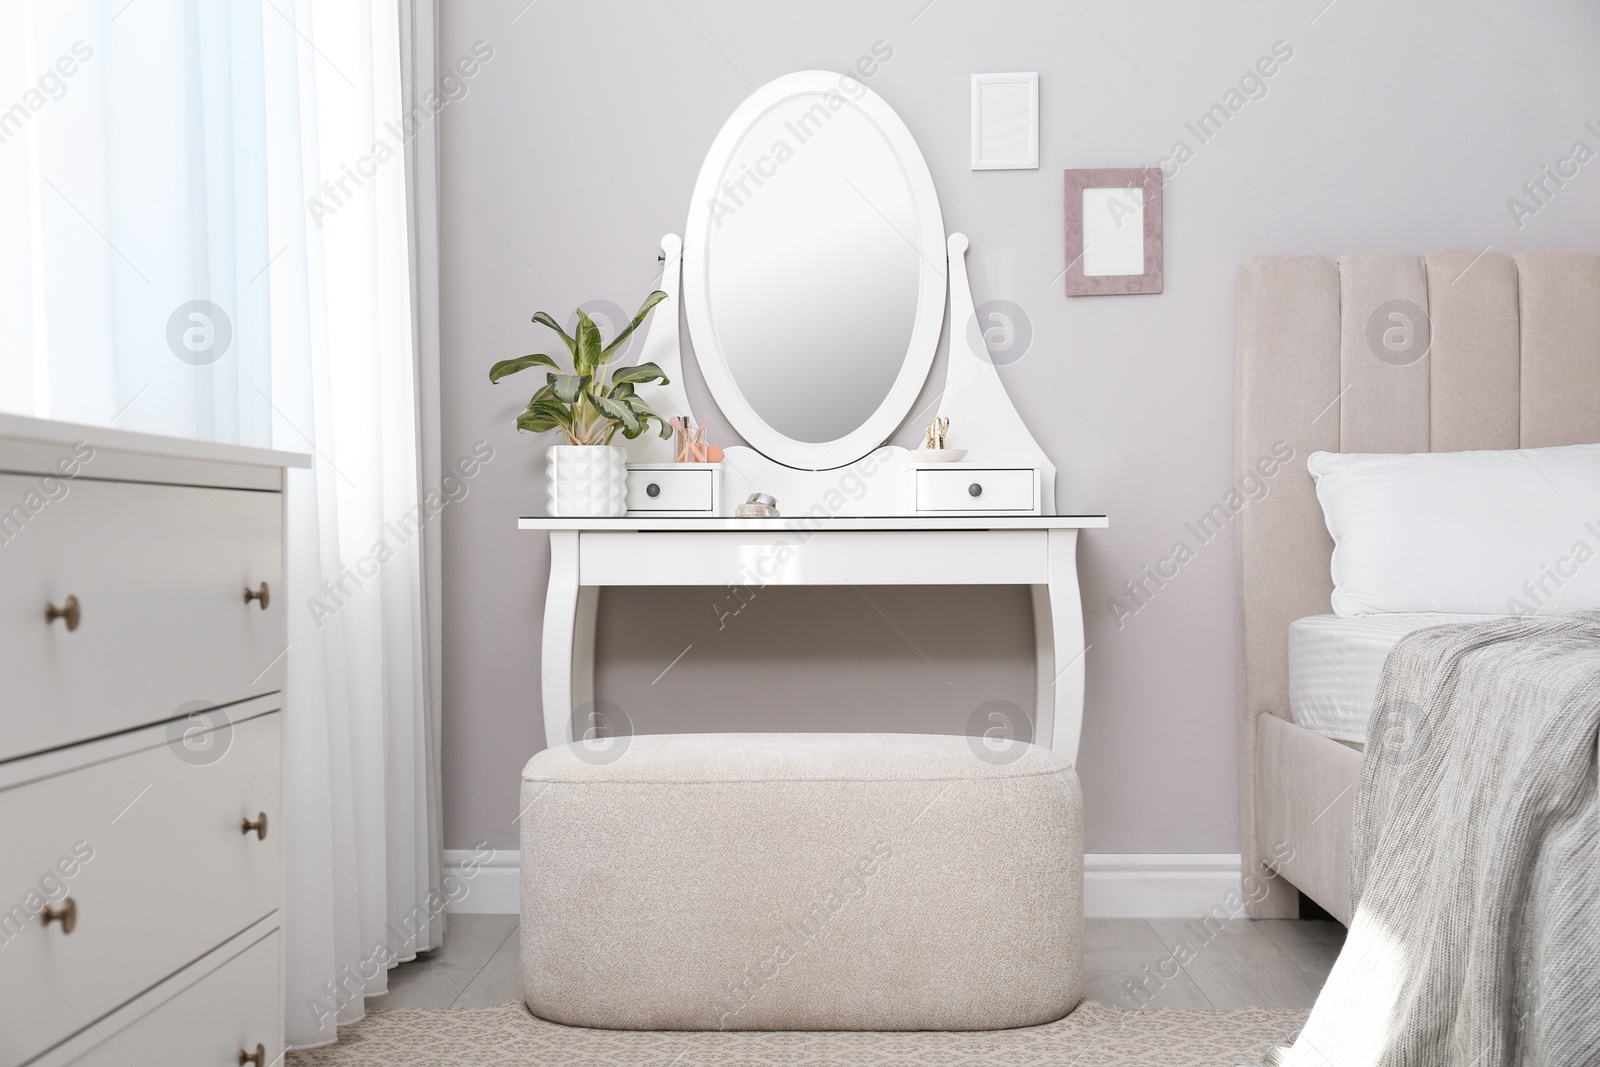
x=814 y=195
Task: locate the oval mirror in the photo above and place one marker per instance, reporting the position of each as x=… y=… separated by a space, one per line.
x=814 y=270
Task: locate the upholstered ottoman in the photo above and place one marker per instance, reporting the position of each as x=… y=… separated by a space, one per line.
x=801 y=882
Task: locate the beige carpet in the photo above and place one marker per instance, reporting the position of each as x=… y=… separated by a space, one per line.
x=1092 y=1036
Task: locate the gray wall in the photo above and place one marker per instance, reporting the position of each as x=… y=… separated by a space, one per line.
x=1400 y=126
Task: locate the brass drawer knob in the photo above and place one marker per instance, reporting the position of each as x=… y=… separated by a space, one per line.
x=66 y=915
x=259 y=826
x=257 y=594
x=68 y=611
x=258 y=1057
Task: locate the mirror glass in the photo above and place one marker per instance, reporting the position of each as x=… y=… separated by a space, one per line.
x=811 y=271
x=831 y=229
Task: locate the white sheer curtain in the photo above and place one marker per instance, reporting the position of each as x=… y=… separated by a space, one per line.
x=206 y=232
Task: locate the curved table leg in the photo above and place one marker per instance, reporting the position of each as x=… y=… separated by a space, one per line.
x=1044 y=666
x=567 y=666
x=1058 y=635
x=585 y=716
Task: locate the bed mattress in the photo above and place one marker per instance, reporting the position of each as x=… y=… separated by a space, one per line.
x=1334 y=665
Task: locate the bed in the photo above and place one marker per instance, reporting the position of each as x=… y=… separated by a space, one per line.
x=1381 y=353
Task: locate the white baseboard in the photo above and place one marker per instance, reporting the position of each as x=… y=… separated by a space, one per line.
x=491 y=886
x=1163 y=885
x=1153 y=886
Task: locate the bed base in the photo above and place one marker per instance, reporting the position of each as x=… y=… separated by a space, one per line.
x=1305 y=801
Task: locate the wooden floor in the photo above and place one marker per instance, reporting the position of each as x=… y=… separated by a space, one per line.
x=1128 y=963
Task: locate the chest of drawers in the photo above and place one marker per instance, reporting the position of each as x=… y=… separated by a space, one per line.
x=143 y=642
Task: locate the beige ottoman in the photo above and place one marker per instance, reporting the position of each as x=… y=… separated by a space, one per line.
x=801 y=882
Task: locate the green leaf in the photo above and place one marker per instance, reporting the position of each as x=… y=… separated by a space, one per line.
x=641 y=409
x=649 y=302
x=567 y=387
x=547 y=408
x=587 y=357
x=511 y=366
x=543 y=318
x=644 y=372
x=617 y=411
x=535 y=423
x=619 y=390
x=551 y=408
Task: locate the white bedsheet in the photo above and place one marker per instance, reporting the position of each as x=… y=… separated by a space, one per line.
x=1334 y=664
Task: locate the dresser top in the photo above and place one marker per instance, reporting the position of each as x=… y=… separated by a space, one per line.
x=44 y=448
x=645 y=523
x=22 y=430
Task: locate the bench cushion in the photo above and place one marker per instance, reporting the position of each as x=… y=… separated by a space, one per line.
x=801 y=882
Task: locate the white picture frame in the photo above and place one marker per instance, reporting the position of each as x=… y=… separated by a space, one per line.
x=1005 y=121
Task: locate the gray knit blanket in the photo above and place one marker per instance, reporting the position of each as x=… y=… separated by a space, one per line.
x=1475 y=865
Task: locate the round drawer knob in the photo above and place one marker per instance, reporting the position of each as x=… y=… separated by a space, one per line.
x=257 y=594
x=259 y=826
x=652 y=489
x=68 y=611
x=66 y=915
x=974 y=489
x=258 y=1057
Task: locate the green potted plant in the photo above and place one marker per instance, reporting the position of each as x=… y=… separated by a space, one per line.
x=590 y=406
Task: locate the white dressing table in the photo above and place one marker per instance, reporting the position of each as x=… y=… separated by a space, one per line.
x=846 y=221
x=1040 y=552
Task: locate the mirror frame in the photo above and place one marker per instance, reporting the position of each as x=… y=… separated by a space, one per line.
x=932 y=282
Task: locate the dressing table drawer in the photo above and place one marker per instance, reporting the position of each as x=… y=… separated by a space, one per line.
x=977 y=489
x=674 y=487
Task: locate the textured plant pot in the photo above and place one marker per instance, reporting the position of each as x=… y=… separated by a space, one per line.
x=587 y=480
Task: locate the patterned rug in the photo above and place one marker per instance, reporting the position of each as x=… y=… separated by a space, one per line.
x=1093 y=1036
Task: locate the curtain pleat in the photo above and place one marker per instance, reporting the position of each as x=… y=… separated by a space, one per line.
x=419 y=73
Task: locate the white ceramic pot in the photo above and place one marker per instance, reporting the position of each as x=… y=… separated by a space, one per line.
x=587 y=480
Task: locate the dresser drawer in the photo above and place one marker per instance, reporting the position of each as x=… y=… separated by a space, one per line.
x=688 y=488
x=231 y=1010
x=149 y=850
x=159 y=574
x=976 y=489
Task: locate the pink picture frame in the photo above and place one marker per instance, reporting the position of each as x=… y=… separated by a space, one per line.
x=1152 y=278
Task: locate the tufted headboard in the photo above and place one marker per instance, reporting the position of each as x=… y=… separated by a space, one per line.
x=1386 y=352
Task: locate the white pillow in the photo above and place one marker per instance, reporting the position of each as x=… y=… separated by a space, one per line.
x=1480 y=533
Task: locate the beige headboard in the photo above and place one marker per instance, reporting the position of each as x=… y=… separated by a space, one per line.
x=1514 y=362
